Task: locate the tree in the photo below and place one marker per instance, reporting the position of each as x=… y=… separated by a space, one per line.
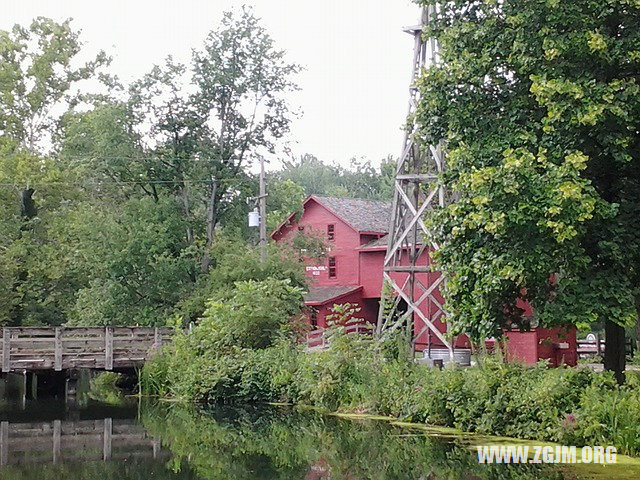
x=38 y=78
x=538 y=105
x=38 y=81
x=38 y=75
x=359 y=180
x=285 y=197
x=206 y=129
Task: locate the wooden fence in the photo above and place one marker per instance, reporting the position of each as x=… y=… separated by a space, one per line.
x=596 y=346
x=62 y=348
x=317 y=339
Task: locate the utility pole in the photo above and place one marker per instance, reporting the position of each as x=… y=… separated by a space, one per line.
x=262 y=205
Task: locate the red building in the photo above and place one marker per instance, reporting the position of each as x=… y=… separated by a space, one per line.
x=355 y=231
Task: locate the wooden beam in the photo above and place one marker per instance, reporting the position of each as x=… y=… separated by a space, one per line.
x=108 y=433
x=4 y=443
x=57 y=361
x=57 y=435
x=403 y=268
x=407 y=177
x=6 y=350
x=108 y=348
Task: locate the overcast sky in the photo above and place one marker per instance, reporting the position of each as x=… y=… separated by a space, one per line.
x=357 y=59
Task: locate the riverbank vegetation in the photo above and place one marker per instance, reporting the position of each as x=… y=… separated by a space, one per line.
x=244 y=350
x=285 y=444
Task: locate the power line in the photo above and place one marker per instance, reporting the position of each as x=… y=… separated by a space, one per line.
x=119 y=157
x=225 y=181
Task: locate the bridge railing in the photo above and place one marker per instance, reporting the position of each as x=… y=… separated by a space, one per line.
x=76 y=440
x=317 y=339
x=61 y=348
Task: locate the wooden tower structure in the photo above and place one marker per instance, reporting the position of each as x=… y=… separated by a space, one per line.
x=410 y=285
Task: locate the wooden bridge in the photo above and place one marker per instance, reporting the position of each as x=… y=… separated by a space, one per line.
x=61 y=348
x=69 y=441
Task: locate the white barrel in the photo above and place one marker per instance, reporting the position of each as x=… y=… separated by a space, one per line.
x=254 y=218
x=461 y=356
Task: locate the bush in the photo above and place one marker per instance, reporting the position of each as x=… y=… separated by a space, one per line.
x=235 y=350
x=104 y=388
x=608 y=415
x=243 y=351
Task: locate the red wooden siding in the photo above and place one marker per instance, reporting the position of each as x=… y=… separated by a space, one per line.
x=359 y=262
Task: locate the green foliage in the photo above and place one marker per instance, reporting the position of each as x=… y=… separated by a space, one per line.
x=104 y=388
x=607 y=414
x=240 y=348
x=288 y=444
x=118 y=225
x=234 y=262
x=135 y=261
x=333 y=378
x=355 y=374
x=359 y=180
x=252 y=317
x=37 y=67
x=130 y=207
x=537 y=103
x=285 y=198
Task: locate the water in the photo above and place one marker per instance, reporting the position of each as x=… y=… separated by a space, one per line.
x=127 y=439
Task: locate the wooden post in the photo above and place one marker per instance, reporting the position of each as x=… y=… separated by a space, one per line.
x=108 y=433
x=156 y=448
x=6 y=350
x=598 y=344
x=157 y=338
x=57 y=359
x=108 y=348
x=33 y=385
x=4 y=443
x=23 y=390
x=57 y=434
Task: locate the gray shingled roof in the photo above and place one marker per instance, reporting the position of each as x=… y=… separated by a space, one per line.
x=322 y=295
x=363 y=215
x=378 y=242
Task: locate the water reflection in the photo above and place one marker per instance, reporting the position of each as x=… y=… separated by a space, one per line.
x=49 y=439
x=77 y=438
x=284 y=444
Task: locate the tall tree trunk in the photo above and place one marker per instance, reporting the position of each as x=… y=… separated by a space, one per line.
x=211 y=224
x=184 y=199
x=28 y=211
x=614 y=350
x=28 y=208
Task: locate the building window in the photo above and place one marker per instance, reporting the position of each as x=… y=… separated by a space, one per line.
x=332 y=267
x=314 y=317
x=331 y=232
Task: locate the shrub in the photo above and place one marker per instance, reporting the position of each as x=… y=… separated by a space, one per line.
x=334 y=378
x=608 y=415
x=243 y=351
x=225 y=357
x=104 y=388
